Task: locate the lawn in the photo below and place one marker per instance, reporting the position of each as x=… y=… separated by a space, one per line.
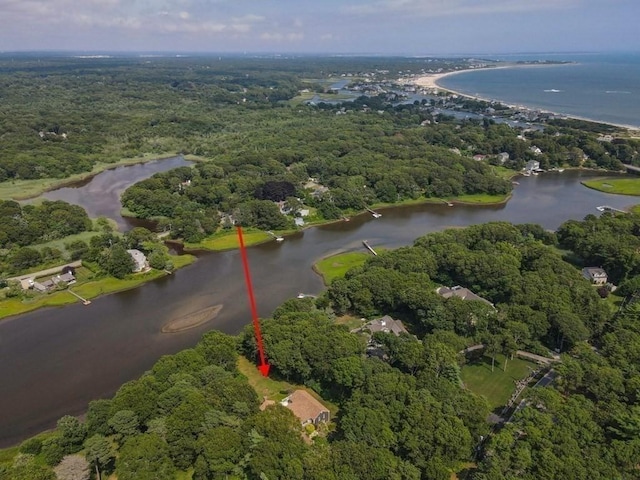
x=61 y=242
x=8 y=454
x=274 y=389
x=337 y=265
x=229 y=240
x=86 y=288
x=480 y=199
x=106 y=285
x=620 y=185
x=350 y=321
x=496 y=386
x=635 y=209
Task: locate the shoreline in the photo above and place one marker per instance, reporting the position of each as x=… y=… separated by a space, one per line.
x=432 y=82
x=62 y=298
x=57 y=184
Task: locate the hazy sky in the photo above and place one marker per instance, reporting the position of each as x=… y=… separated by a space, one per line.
x=324 y=26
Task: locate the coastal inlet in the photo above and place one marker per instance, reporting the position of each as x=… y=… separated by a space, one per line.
x=54 y=361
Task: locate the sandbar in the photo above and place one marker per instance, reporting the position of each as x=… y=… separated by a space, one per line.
x=192 y=320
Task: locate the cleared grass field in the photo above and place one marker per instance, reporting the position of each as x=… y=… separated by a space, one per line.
x=497 y=386
x=274 y=389
x=337 y=265
x=228 y=241
x=621 y=186
x=481 y=199
x=86 y=288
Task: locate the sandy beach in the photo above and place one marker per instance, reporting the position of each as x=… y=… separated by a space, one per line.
x=431 y=82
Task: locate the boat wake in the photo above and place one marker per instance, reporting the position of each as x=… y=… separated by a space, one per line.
x=623 y=92
x=553 y=90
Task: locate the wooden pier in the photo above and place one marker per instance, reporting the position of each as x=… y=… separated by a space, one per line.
x=373 y=213
x=607 y=208
x=83 y=300
x=277 y=237
x=369 y=247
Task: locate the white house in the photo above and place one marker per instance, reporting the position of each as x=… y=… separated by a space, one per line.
x=595 y=275
x=139 y=259
x=532 y=165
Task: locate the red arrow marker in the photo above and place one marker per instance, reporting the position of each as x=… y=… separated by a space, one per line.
x=264 y=366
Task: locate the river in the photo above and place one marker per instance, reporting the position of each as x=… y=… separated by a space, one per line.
x=54 y=361
x=100 y=195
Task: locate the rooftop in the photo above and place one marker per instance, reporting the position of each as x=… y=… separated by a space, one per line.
x=303 y=405
x=386 y=324
x=462 y=293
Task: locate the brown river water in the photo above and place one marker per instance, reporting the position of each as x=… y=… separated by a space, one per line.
x=54 y=361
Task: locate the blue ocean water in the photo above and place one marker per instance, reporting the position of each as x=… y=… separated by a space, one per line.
x=601 y=87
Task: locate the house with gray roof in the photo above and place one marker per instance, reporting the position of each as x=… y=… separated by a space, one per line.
x=595 y=275
x=462 y=293
x=385 y=324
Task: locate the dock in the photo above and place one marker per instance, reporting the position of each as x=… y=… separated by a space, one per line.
x=277 y=237
x=607 y=208
x=631 y=169
x=369 y=247
x=373 y=213
x=83 y=300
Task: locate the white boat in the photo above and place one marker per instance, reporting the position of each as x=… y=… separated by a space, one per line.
x=376 y=215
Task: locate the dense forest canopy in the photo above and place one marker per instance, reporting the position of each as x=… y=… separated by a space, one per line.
x=61 y=116
x=402 y=415
x=25 y=225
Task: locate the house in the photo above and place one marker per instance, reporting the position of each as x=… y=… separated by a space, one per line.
x=385 y=324
x=27 y=283
x=595 y=275
x=306 y=408
x=479 y=157
x=39 y=287
x=535 y=150
x=503 y=157
x=43 y=286
x=139 y=259
x=462 y=293
x=67 y=278
x=532 y=165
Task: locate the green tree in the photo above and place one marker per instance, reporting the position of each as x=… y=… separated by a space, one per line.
x=52 y=451
x=98 y=415
x=145 y=457
x=124 y=424
x=99 y=452
x=118 y=262
x=72 y=433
